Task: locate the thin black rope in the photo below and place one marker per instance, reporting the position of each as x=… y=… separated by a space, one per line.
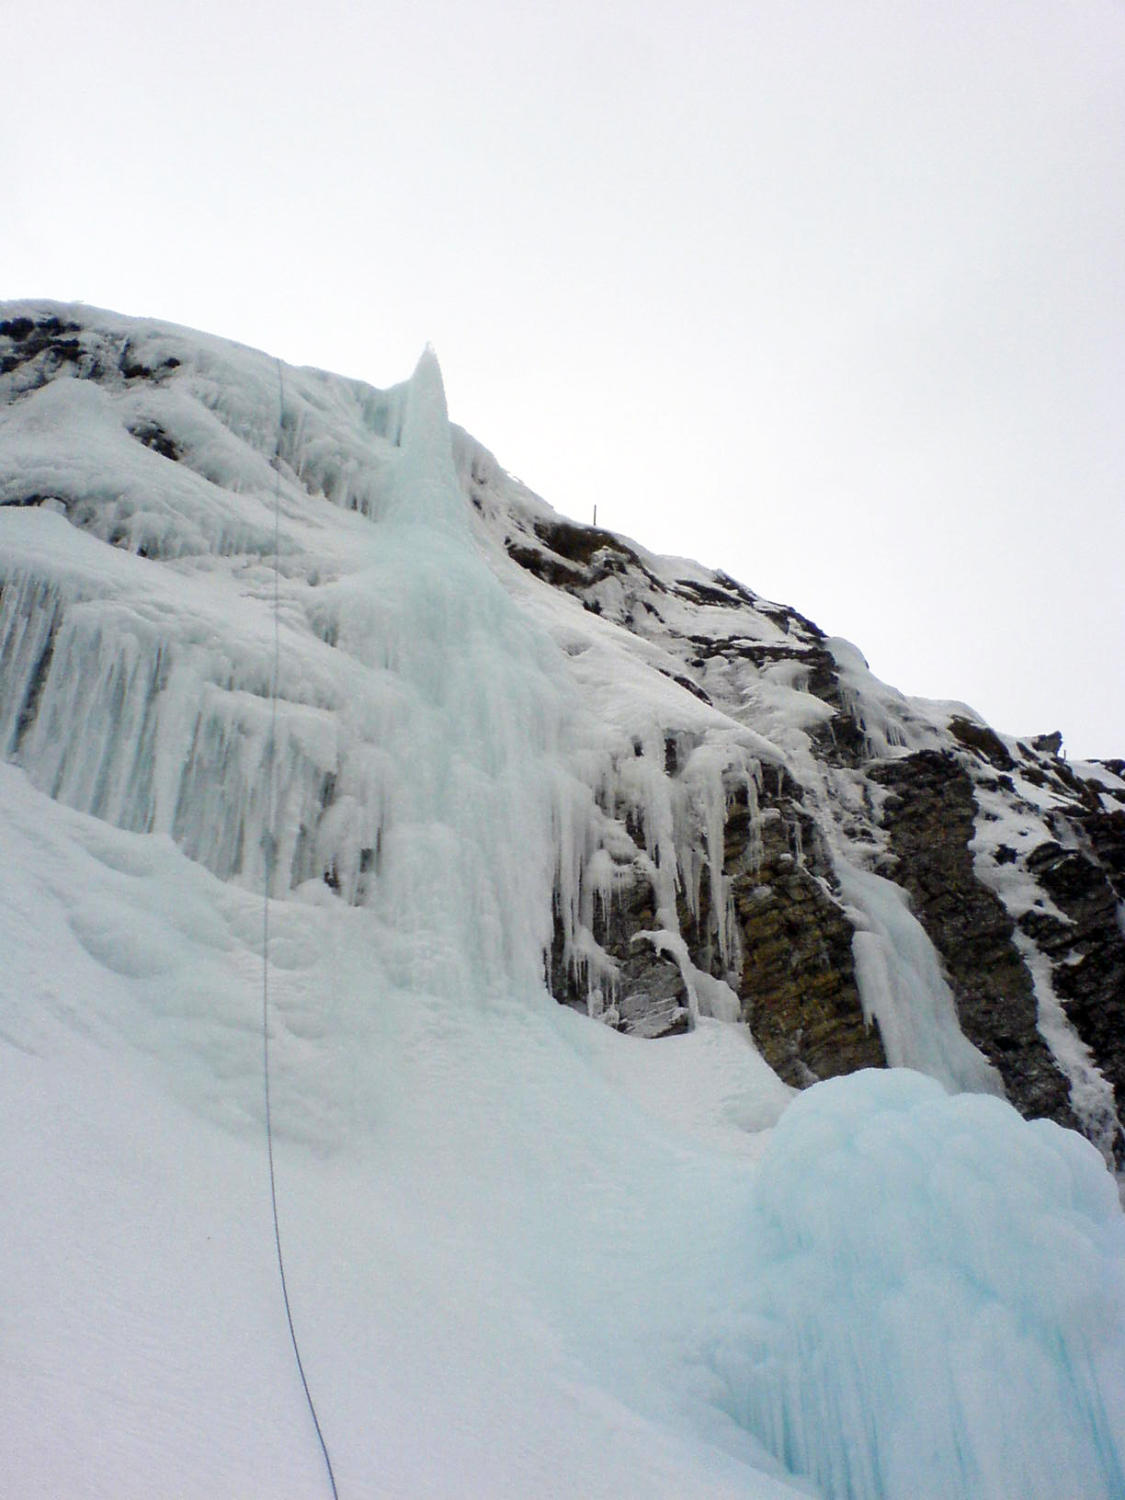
x=270 y=846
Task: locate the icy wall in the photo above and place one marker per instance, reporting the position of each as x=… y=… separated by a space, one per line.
x=727 y=785
x=138 y=677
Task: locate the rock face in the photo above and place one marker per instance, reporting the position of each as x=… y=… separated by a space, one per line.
x=797 y=979
x=738 y=768
x=1086 y=950
x=1028 y=934
x=929 y=817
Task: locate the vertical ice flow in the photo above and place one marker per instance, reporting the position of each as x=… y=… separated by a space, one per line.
x=901 y=984
x=468 y=727
x=425 y=490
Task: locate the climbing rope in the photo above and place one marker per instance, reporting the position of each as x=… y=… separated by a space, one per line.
x=270 y=848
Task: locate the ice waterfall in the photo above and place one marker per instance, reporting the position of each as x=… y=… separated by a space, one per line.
x=910 y=1296
x=427 y=764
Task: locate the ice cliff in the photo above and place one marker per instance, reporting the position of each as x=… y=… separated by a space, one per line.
x=753 y=826
x=267 y=627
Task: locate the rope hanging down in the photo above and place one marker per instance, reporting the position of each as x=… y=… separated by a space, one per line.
x=270 y=846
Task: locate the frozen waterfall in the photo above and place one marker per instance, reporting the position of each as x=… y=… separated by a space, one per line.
x=531 y=1256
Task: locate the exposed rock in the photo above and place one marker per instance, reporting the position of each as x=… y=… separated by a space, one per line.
x=648 y=996
x=1048 y=744
x=797 y=979
x=1106 y=832
x=929 y=817
x=31 y=338
x=984 y=741
x=153 y=436
x=796 y=976
x=1088 y=953
x=49 y=343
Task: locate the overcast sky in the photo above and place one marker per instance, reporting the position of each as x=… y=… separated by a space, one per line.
x=827 y=293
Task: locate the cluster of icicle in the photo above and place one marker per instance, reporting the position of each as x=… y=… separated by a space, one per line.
x=668 y=831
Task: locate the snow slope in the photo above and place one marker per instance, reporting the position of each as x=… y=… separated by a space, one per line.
x=528 y=1255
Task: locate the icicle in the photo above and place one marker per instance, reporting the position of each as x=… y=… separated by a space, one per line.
x=30 y=612
x=901 y=984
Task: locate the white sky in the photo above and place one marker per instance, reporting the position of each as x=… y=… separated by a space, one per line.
x=830 y=295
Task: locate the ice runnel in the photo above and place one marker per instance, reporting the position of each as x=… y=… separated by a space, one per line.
x=482 y=784
x=901 y=984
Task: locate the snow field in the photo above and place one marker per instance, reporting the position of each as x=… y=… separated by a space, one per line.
x=527 y=1255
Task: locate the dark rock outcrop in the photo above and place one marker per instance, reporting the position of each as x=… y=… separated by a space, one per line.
x=929 y=816
x=797 y=979
x=649 y=997
x=1087 y=953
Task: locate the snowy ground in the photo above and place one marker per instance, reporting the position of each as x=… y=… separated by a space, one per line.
x=527 y=1255
x=469 y=1221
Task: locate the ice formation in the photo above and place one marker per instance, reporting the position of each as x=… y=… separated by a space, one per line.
x=531 y=1255
x=950 y=1277
x=902 y=985
x=417 y=710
